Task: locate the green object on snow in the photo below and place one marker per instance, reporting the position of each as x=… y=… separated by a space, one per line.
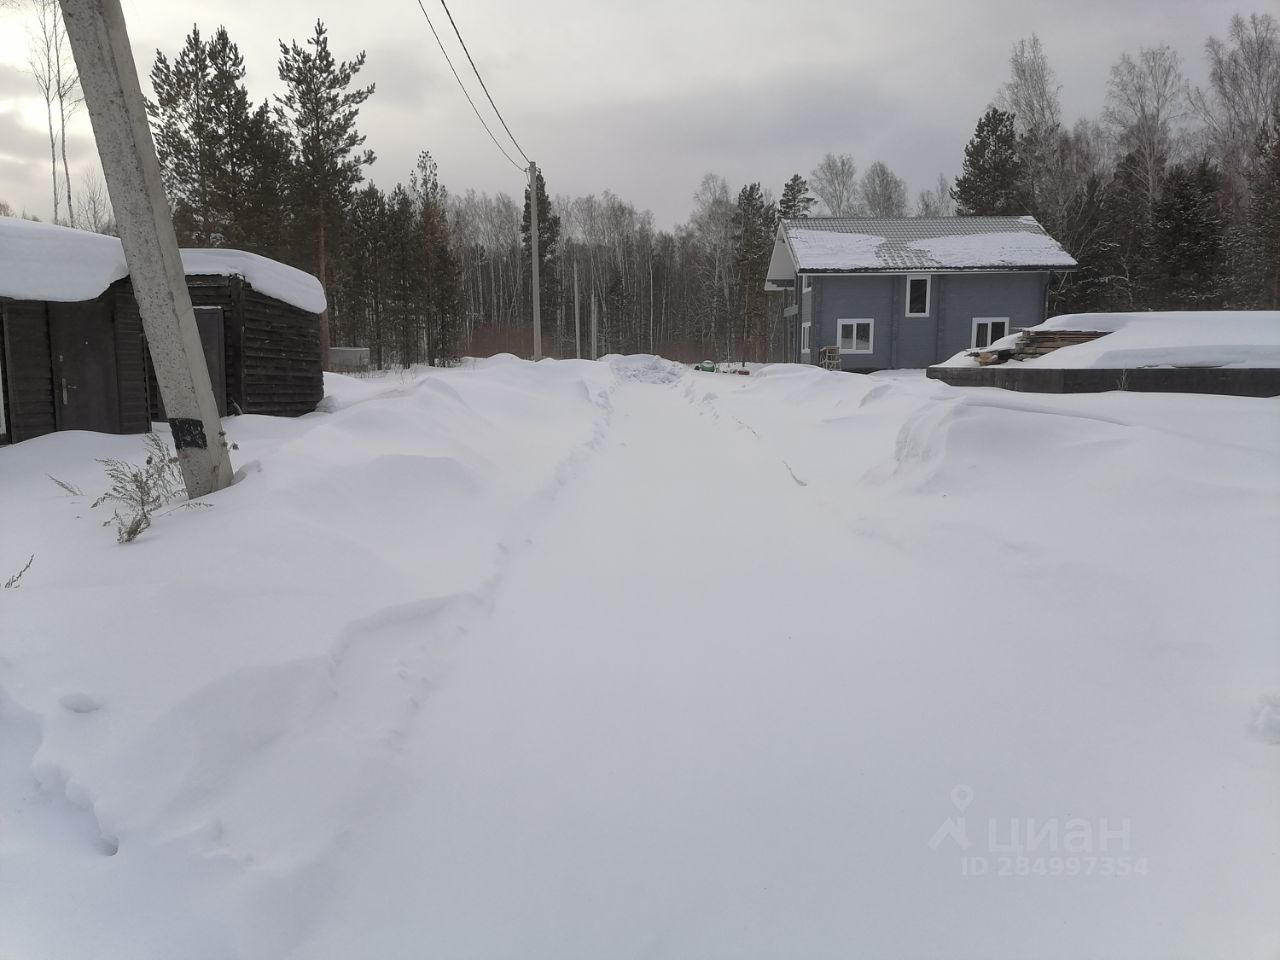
x=706 y=366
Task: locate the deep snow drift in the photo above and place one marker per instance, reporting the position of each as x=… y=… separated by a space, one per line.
x=1192 y=338
x=582 y=660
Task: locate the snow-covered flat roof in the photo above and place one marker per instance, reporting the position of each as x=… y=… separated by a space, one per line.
x=1210 y=338
x=896 y=244
x=42 y=261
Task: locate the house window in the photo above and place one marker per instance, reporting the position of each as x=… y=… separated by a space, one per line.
x=987 y=330
x=855 y=335
x=918 y=296
x=804 y=337
x=807 y=283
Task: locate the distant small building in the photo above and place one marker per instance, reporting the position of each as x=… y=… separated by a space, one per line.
x=878 y=293
x=72 y=351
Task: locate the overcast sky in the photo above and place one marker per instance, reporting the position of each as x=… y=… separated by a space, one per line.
x=645 y=96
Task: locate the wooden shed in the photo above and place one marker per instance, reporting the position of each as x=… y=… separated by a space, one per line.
x=73 y=355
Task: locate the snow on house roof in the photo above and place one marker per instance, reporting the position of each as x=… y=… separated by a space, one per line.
x=42 y=261
x=895 y=244
x=1208 y=338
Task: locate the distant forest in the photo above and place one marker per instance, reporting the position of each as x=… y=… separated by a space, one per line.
x=1170 y=199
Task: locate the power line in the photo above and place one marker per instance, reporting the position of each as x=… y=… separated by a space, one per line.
x=482 y=85
x=468 y=95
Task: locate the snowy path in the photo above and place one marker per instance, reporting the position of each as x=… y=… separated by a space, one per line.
x=615 y=661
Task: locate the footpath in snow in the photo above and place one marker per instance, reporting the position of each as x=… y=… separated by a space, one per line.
x=613 y=659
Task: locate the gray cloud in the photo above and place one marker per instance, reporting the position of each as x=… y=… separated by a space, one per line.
x=644 y=98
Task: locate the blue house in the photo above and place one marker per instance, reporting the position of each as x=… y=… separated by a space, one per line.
x=882 y=293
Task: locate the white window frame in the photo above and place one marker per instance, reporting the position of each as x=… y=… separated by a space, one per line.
x=871 y=337
x=973 y=336
x=928 y=294
x=806 y=335
x=806 y=283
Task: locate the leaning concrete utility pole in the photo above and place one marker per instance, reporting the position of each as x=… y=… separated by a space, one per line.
x=533 y=246
x=109 y=79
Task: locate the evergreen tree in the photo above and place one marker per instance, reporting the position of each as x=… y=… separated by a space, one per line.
x=754 y=224
x=1258 y=242
x=548 y=242
x=222 y=162
x=319 y=110
x=261 y=217
x=444 y=280
x=1187 y=240
x=796 y=201
x=991 y=182
x=360 y=290
x=180 y=116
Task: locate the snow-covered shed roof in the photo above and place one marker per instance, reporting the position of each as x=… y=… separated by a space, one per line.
x=42 y=261
x=898 y=244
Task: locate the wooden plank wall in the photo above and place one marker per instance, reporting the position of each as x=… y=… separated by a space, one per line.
x=29 y=370
x=280 y=357
x=272 y=350
x=132 y=369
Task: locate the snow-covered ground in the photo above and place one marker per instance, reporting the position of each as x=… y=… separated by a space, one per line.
x=583 y=660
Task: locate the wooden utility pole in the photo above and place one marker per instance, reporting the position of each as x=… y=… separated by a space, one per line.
x=577 y=326
x=533 y=246
x=100 y=44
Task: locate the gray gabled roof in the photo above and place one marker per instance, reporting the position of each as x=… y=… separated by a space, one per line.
x=897 y=244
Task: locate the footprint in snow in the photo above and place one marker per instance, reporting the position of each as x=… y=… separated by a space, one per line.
x=79 y=703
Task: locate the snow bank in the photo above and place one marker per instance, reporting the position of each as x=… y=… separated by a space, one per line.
x=609 y=659
x=40 y=261
x=1223 y=338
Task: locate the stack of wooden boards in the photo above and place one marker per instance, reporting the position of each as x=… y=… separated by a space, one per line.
x=1035 y=343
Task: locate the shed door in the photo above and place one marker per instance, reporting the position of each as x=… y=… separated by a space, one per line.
x=209 y=323
x=84 y=367
x=213 y=344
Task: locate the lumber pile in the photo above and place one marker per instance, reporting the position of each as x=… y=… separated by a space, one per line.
x=1033 y=343
x=1036 y=343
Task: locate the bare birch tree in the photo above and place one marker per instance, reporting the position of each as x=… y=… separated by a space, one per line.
x=1145 y=99
x=1243 y=92
x=93 y=208
x=884 y=193
x=41 y=59
x=67 y=88
x=936 y=202
x=834 y=182
x=1031 y=94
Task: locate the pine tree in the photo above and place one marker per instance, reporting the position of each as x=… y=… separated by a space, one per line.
x=181 y=123
x=261 y=217
x=754 y=223
x=222 y=162
x=548 y=242
x=796 y=201
x=320 y=112
x=360 y=287
x=991 y=182
x=1259 y=235
x=444 y=280
x=1187 y=240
